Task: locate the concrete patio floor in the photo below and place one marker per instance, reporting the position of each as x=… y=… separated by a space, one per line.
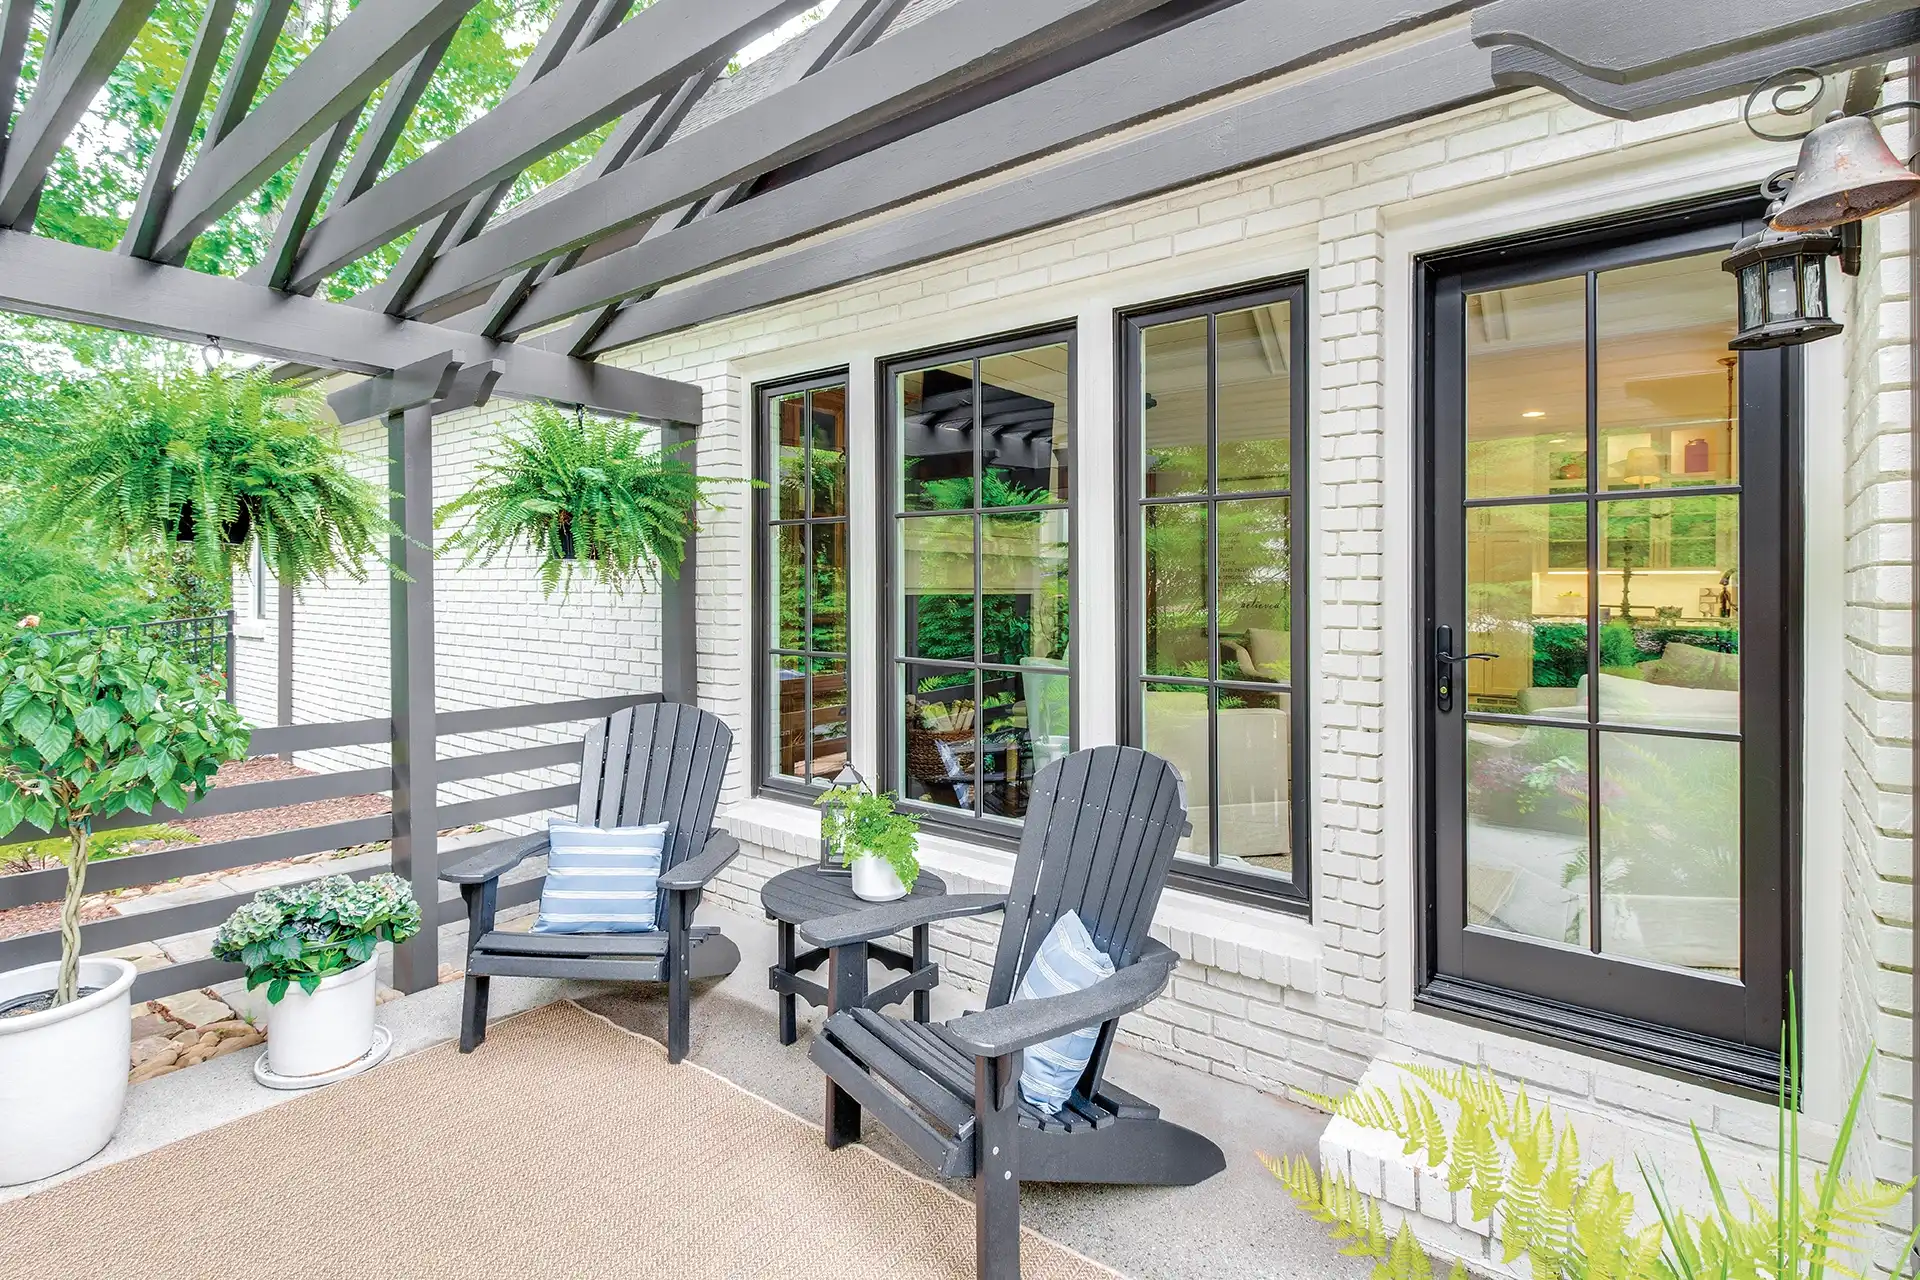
x=1239 y=1225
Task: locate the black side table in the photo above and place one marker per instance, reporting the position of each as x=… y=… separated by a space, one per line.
x=808 y=893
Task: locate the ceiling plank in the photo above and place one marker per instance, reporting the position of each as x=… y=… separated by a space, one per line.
x=143 y=228
x=95 y=40
x=382 y=134
x=965 y=44
x=365 y=50
x=577 y=25
x=657 y=49
x=1351 y=100
x=1212 y=55
x=1516 y=67
x=264 y=24
x=45 y=277
x=1627 y=40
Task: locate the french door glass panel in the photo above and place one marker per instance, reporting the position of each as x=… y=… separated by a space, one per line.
x=1610 y=834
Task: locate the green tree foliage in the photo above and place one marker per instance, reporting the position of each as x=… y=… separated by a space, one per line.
x=581 y=492
x=222 y=459
x=92 y=726
x=96 y=178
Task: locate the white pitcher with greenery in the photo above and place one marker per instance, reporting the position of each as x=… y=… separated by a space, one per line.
x=878 y=844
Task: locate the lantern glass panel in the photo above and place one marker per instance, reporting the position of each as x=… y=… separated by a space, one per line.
x=1752 y=297
x=1783 y=294
x=1813 y=288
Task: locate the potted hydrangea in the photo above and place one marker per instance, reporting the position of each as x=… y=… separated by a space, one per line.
x=312 y=945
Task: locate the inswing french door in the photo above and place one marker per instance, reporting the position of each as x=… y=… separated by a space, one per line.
x=1609 y=635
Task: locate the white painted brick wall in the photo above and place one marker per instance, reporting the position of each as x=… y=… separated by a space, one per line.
x=1315 y=1015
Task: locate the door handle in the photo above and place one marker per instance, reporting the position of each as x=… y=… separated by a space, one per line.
x=1444 y=661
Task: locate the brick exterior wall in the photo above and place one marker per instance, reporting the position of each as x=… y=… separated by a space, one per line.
x=1277 y=1003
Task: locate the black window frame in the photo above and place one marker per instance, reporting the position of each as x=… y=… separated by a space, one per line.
x=766 y=522
x=1294 y=894
x=1659 y=1017
x=993 y=832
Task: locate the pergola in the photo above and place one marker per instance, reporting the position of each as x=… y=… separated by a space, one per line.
x=909 y=129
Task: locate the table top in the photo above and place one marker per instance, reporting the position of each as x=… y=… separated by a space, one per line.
x=808 y=893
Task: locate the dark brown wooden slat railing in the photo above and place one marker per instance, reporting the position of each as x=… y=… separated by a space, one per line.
x=486 y=719
x=278 y=739
x=512 y=805
x=516 y=760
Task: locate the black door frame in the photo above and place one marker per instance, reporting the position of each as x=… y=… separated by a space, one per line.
x=1715 y=1028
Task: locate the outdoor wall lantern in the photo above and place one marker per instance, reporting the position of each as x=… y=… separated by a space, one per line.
x=1845 y=172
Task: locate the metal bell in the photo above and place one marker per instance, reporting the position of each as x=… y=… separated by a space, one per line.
x=1846 y=172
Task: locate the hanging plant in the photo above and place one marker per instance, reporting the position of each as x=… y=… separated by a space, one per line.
x=581 y=494
x=218 y=460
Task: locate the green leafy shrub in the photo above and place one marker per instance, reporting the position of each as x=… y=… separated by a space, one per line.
x=91 y=726
x=303 y=933
x=1521 y=1167
x=855 y=821
x=221 y=460
x=37 y=855
x=575 y=491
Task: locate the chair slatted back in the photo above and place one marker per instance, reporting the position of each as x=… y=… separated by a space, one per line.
x=1099 y=840
x=657 y=762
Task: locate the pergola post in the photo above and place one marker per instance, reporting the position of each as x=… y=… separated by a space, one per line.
x=416 y=963
x=679 y=621
x=283 y=669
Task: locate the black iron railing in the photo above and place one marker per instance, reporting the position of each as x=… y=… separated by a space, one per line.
x=205 y=640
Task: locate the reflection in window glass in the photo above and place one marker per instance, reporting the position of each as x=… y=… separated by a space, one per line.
x=1214 y=534
x=983 y=618
x=805 y=580
x=1527 y=389
x=1669 y=390
x=1527 y=831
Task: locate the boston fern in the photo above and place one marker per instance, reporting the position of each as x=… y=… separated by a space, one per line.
x=219 y=459
x=306 y=932
x=581 y=491
x=1521 y=1168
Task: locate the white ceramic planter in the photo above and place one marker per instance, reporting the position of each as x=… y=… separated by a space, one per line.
x=875 y=880
x=310 y=1035
x=63 y=1073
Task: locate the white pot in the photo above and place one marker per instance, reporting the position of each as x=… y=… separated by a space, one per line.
x=309 y=1035
x=63 y=1073
x=875 y=880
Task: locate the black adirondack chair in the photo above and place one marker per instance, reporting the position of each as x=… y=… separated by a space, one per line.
x=1100 y=835
x=659 y=762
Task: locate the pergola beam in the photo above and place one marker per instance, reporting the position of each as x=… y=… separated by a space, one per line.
x=1434 y=75
x=46 y=277
x=143 y=228
x=1628 y=40
x=93 y=44
x=264 y=24
x=1209 y=56
x=658 y=48
x=963 y=45
x=577 y=25
x=1516 y=66
x=366 y=49
x=382 y=134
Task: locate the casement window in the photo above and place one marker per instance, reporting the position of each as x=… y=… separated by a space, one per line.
x=977 y=475
x=1611 y=547
x=1215 y=473
x=801 y=516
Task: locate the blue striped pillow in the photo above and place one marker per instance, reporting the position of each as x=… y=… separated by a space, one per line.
x=602 y=879
x=1067 y=961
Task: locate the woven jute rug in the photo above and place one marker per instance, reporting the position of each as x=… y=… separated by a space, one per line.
x=564 y=1147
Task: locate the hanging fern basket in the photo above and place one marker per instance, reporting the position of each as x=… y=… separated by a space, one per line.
x=233 y=533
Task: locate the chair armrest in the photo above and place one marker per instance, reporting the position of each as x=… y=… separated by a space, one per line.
x=892 y=917
x=720 y=849
x=494 y=860
x=1021 y=1024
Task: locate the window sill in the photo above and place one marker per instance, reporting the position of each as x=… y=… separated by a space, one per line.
x=1253 y=941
